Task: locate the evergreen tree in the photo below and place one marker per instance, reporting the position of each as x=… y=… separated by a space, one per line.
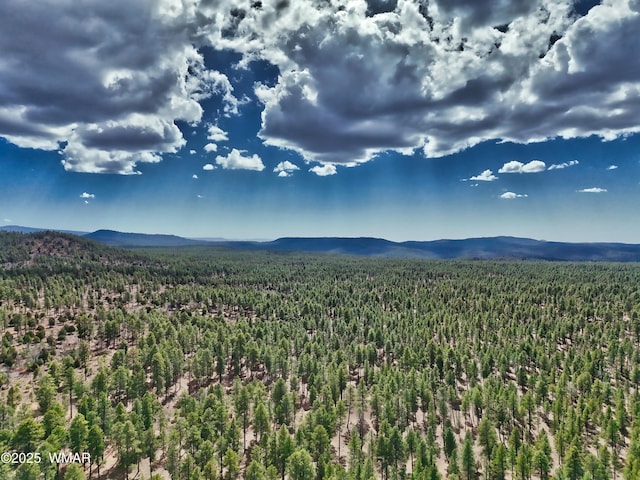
x=467 y=458
x=300 y=465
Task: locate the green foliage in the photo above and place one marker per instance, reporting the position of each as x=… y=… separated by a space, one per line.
x=27 y=435
x=300 y=465
x=231 y=363
x=74 y=472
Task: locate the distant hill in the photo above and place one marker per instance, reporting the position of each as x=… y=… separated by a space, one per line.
x=470 y=248
x=21 y=229
x=18 y=249
x=121 y=239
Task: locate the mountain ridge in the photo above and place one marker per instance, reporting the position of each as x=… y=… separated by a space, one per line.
x=499 y=247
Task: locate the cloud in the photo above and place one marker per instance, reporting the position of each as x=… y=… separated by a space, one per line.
x=192 y=152
x=216 y=134
x=512 y=195
x=211 y=147
x=436 y=76
x=200 y=196
x=194 y=176
x=208 y=167
x=285 y=169
x=87 y=195
x=105 y=85
x=559 y=166
x=593 y=190
x=324 y=170
x=612 y=167
x=514 y=166
x=235 y=160
x=485 y=176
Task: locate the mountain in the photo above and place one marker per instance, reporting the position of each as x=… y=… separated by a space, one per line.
x=470 y=248
x=38 y=247
x=21 y=229
x=525 y=248
x=122 y=239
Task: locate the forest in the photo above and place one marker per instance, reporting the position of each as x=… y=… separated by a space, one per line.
x=206 y=363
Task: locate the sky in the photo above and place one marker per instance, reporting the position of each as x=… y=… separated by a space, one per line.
x=398 y=119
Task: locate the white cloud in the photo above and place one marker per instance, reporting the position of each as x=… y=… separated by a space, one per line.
x=87 y=195
x=612 y=167
x=485 y=176
x=208 y=167
x=211 y=147
x=86 y=202
x=324 y=170
x=512 y=195
x=6 y=220
x=514 y=166
x=200 y=196
x=111 y=88
x=235 y=160
x=194 y=176
x=192 y=152
x=216 y=134
x=435 y=76
x=559 y=166
x=285 y=169
x=593 y=190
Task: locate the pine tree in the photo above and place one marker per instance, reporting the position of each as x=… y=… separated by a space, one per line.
x=300 y=465
x=467 y=458
x=95 y=447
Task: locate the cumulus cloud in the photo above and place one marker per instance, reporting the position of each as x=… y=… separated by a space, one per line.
x=194 y=176
x=235 y=160
x=87 y=195
x=208 y=167
x=485 y=176
x=285 y=169
x=216 y=134
x=192 y=152
x=612 y=167
x=103 y=84
x=211 y=147
x=514 y=166
x=593 y=190
x=512 y=195
x=559 y=166
x=437 y=76
x=324 y=170
x=355 y=78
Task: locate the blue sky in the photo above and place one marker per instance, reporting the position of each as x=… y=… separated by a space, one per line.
x=354 y=118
